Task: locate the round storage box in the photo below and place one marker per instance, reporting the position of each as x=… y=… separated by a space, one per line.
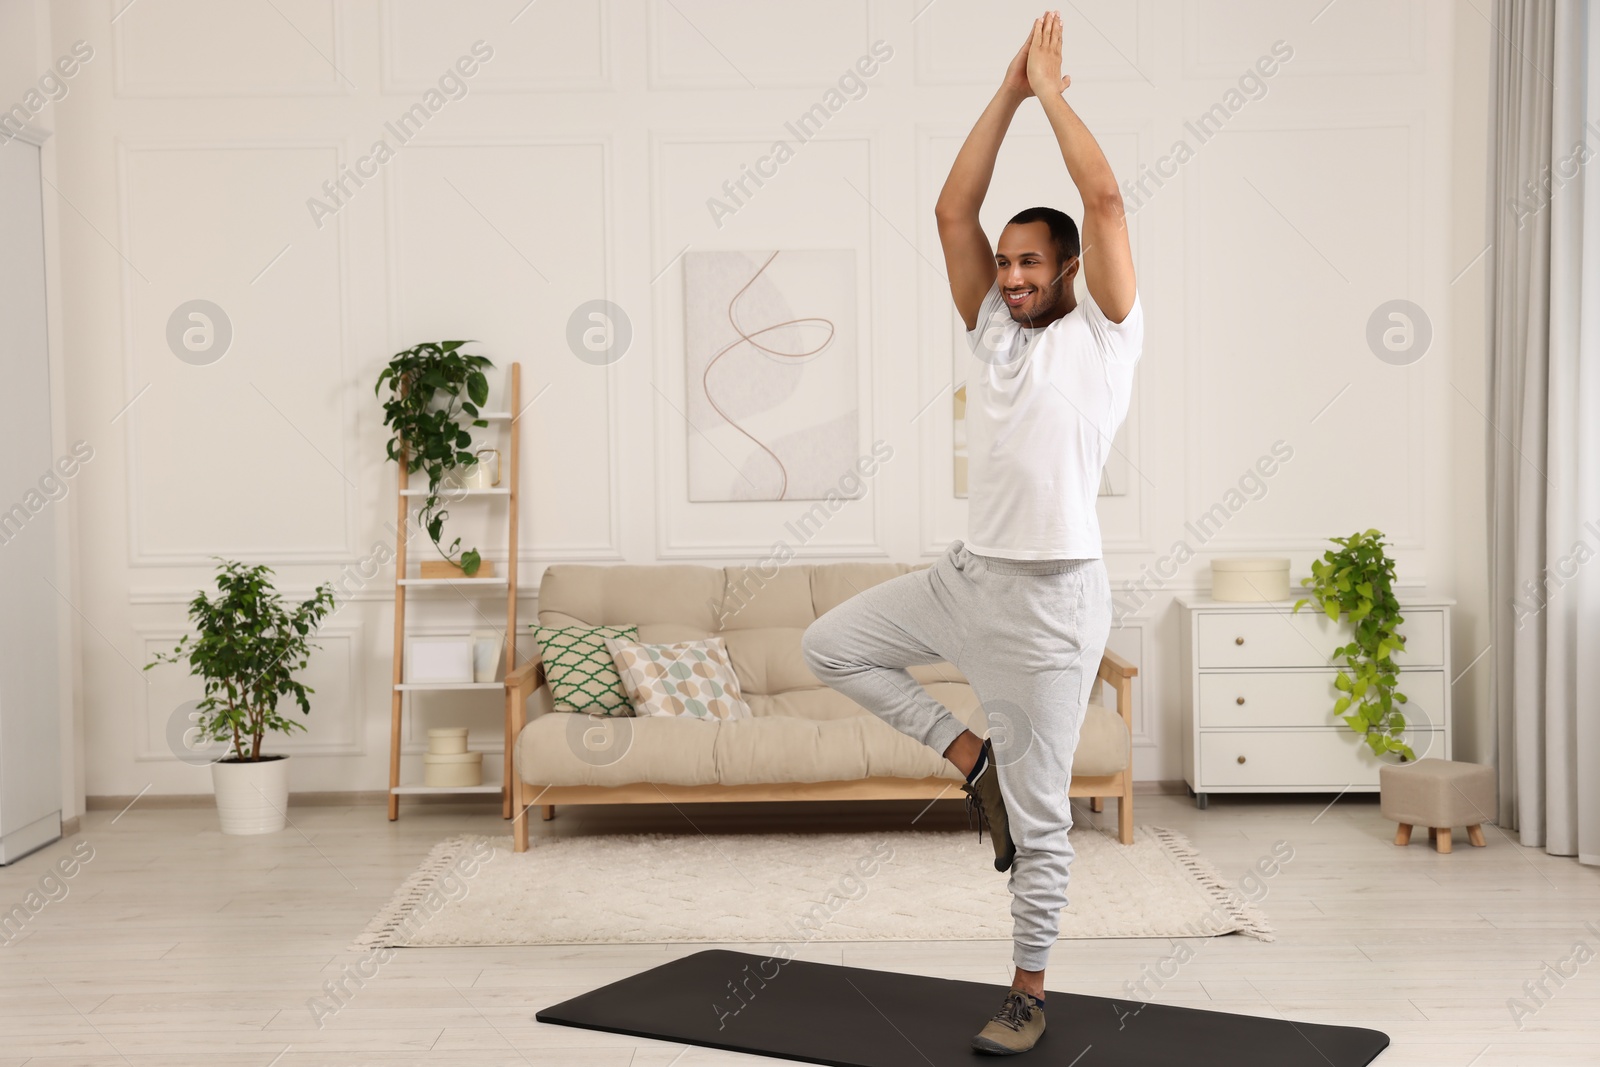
x=1255 y=579
x=447 y=740
x=451 y=769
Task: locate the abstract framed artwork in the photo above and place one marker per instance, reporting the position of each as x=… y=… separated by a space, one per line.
x=771 y=364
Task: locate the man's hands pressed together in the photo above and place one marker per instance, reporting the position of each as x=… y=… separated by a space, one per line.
x=1020 y=80
x=1043 y=63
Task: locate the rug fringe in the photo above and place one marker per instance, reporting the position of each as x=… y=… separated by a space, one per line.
x=383 y=927
x=1252 y=921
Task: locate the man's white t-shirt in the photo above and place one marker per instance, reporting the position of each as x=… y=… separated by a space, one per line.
x=1043 y=404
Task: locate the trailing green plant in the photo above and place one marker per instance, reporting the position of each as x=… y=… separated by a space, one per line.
x=433 y=438
x=248 y=648
x=1358 y=581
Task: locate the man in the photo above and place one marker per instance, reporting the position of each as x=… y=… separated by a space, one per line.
x=1022 y=608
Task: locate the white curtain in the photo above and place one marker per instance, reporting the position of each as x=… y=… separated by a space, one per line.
x=1544 y=451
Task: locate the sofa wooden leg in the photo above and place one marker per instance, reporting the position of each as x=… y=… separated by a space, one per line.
x=1441 y=840
x=508 y=789
x=1125 y=819
x=1402 y=836
x=1097 y=804
x=1475 y=835
x=547 y=812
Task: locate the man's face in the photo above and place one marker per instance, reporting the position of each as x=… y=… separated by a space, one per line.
x=1032 y=282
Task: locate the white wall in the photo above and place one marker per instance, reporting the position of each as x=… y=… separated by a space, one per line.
x=578 y=167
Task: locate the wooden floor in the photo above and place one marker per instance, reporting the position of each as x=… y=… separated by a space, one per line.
x=175 y=945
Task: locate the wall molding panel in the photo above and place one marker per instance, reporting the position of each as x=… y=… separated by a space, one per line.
x=211 y=47
x=242 y=373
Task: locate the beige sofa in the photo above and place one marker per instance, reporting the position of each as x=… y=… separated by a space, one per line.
x=804 y=741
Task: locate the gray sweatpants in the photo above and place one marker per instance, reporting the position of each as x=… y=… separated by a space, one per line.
x=1028 y=635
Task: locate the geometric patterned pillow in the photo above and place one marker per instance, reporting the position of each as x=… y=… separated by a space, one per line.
x=689 y=679
x=581 y=672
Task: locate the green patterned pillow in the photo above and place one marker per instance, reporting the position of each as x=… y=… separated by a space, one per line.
x=582 y=675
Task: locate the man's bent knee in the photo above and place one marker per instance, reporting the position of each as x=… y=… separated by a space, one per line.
x=814 y=649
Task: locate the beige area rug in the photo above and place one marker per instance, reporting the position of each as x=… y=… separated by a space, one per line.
x=774 y=888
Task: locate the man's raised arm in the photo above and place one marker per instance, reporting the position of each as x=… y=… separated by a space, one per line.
x=1107 y=256
x=968 y=256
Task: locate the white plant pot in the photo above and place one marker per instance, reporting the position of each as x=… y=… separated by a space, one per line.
x=252 y=798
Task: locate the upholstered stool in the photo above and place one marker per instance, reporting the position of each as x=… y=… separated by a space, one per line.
x=1438 y=794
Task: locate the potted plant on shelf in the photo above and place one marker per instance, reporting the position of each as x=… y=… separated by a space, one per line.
x=1358 y=580
x=423 y=409
x=248 y=649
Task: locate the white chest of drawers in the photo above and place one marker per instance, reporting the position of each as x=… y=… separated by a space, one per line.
x=1258 y=696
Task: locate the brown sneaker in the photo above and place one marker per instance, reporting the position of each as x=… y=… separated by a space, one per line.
x=984 y=800
x=1016 y=1027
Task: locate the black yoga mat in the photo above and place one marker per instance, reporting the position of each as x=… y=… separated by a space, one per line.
x=853 y=1017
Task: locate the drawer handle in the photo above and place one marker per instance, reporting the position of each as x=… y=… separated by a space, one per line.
x=1238 y=640
x=1241 y=759
x=1238 y=700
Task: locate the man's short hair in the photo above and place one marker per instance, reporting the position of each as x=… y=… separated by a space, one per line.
x=1062 y=230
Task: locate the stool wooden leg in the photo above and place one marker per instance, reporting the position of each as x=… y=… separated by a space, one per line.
x=547 y=812
x=1475 y=835
x=1402 y=836
x=1097 y=804
x=1441 y=842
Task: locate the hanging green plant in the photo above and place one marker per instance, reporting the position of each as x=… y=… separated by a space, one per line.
x=431 y=436
x=1358 y=580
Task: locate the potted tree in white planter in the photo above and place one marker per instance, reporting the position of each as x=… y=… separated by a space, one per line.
x=248 y=649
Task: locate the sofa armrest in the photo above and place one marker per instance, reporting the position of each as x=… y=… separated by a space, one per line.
x=527 y=677
x=1113 y=668
x=1119 y=674
x=521 y=684
x=527 y=680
